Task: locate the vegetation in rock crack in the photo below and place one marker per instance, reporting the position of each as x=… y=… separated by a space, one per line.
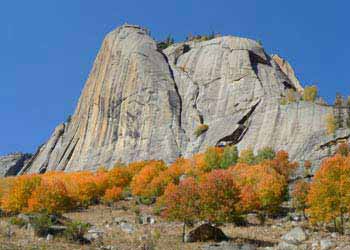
x=202 y=128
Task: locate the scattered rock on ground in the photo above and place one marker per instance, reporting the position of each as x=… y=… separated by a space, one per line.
x=127 y=227
x=228 y=246
x=296 y=236
x=326 y=244
x=205 y=232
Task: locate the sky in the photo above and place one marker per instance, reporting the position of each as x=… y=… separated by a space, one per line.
x=47 y=48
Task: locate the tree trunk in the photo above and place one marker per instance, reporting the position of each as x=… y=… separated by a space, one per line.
x=183 y=232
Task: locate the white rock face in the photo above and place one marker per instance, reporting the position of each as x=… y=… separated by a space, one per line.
x=13 y=163
x=139 y=103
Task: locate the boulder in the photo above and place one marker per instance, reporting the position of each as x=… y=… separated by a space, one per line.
x=296 y=236
x=206 y=232
x=326 y=244
x=127 y=227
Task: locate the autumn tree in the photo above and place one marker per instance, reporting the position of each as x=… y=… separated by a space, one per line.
x=229 y=157
x=310 y=93
x=51 y=197
x=170 y=175
x=331 y=124
x=219 y=196
x=282 y=164
x=247 y=156
x=261 y=187
x=329 y=195
x=212 y=158
x=112 y=195
x=266 y=153
x=181 y=202
x=140 y=184
x=299 y=196
x=16 y=195
x=343 y=149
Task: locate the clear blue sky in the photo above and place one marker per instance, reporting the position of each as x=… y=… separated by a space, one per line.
x=47 y=48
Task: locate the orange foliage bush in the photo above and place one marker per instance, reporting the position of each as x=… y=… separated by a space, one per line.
x=17 y=192
x=329 y=195
x=51 y=196
x=140 y=184
x=261 y=187
x=170 y=175
x=112 y=195
x=299 y=195
x=282 y=164
x=219 y=196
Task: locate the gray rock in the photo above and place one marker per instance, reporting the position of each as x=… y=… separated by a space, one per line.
x=228 y=246
x=295 y=236
x=147 y=219
x=139 y=103
x=49 y=237
x=11 y=164
x=127 y=227
x=288 y=246
x=326 y=244
x=94 y=234
x=206 y=232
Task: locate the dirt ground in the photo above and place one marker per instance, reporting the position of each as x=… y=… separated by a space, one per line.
x=162 y=235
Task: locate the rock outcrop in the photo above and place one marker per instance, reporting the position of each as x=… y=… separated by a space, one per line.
x=141 y=103
x=11 y=164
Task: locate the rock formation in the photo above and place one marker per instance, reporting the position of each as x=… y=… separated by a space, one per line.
x=141 y=103
x=11 y=164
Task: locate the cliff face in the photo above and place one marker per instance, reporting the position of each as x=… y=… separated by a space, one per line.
x=11 y=164
x=139 y=103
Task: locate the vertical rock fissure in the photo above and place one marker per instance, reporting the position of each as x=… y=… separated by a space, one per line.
x=175 y=87
x=238 y=134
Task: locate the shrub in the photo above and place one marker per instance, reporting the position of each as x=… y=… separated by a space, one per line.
x=331 y=124
x=299 y=196
x=119 y=177
x=202 y=128
x=329 y=195
x=16 y=195
x=229 y=157
x=42 y=224
x=265 y=153
x=291 y=96
x=17 y=221
x=170 y=175
x=140 y=184
x=247 y=156
x=212 y=158
x=51 y=197
x=181 y=202
x=75 y=231
x=282 y=165
x=261 y=188
x=112 y=195
x=310 y=93
x=343 y=149
x=219 y=195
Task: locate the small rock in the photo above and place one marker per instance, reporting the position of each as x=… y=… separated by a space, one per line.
x=326 y=244
x=49 y=237
x=288 y=246
x=334 y=235
x=295 y=236
x=253 y=219
x=94 y=234
x=228 y=246
x=119 y=220
x=147 y=219
x=205 y=232
x=127 y=227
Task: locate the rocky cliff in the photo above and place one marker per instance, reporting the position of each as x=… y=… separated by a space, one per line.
x=13 y=163
x=141 y=103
